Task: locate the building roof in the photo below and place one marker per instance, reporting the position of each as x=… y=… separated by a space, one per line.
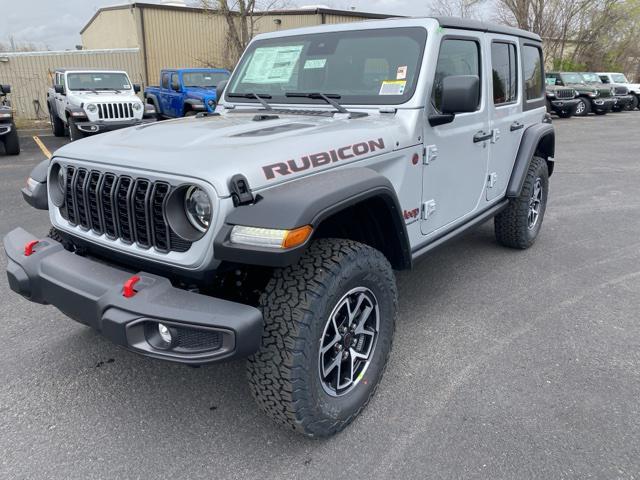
x=299 y=11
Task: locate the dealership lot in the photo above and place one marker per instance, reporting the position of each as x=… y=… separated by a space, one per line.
x=506 y=364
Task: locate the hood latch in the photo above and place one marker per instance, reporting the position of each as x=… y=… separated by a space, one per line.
x=240 y=190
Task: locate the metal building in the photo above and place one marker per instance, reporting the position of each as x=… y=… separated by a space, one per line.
x=171 y=36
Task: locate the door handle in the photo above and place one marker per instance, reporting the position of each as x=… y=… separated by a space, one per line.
x=482 y=136
x=515 y=126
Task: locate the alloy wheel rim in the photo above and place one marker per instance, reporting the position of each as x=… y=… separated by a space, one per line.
x=581 y=107
x=535 y=204
x=348 y=341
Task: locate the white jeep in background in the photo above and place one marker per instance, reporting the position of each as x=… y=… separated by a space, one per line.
x=86 y=102
x=621 y=79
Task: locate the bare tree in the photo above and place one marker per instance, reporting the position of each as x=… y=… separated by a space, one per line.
x=241 y=17
x=456 y=8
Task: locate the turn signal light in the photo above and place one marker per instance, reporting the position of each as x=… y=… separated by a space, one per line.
x=295 y=238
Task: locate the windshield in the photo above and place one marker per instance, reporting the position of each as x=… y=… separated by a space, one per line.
x=619 y=78
x=572 y=78
x=203 y=79
x=591 y=77
x=98 y=81
x=367 y=67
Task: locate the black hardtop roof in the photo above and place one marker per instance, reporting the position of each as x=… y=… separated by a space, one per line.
x=478 y=26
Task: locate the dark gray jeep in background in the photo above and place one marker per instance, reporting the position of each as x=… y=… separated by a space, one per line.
x=270 y=230
x=8 y=131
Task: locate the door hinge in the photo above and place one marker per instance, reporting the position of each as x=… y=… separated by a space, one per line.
x=492 y=180
x=428 y=209
x=430 y=154
x=495 y=135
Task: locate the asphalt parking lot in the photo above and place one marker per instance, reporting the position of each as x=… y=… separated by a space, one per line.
x=506 y=364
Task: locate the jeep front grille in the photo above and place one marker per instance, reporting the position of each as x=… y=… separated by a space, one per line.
x=564 y=93
x=115 y=111
x=604 y=92
x=621 y=90
x=120 y=207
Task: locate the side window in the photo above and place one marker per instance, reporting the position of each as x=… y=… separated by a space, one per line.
x=457 y=57
x=604 y=79
x=504 y=72
x=175 y=83
x=62 y=81
x=165 y=80
x=532 y=68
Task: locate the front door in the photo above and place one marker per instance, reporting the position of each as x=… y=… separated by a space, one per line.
x=60 y=98
x=506 y=112
x=454 y=181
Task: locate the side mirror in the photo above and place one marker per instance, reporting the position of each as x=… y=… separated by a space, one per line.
x=5 y=89
x=59 y=89
x=136 y=88
x=220 y=88
x=460 y=94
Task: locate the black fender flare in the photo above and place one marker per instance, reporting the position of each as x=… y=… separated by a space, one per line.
x=538 y=139
x=69 y=112
x=309 y=201
x=195 y=104
x=154 y=99
x=37 y=196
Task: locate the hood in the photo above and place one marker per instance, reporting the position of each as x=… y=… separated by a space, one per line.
x=103 y=97
x=267 y=152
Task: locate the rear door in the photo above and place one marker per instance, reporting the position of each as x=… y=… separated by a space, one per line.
x=505 y=110
x=454 y=180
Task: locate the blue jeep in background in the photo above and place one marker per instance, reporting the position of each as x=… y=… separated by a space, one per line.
x=186 y=91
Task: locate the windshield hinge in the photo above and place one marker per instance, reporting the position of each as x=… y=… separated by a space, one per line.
x=240 y=190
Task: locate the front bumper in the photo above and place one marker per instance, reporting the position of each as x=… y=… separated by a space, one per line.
x=92 y=293
x=565 y=106
x=102 y=126
x=602 y=104
x=622 y=101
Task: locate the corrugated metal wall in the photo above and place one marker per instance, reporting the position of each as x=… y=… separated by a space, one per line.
x=112 y=29
x=29 y=73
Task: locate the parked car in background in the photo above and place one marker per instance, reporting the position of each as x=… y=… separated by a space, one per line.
x=8 y=130
x=623 y=99
x=85 y=102
x=621 y=79
x=563 y=101
x=185 y=92
x=597 y=100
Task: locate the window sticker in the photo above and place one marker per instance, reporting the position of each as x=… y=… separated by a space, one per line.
x=402 y=73
x=126 y=86
x=272 y=64
x=393 y=87
x=313 y=64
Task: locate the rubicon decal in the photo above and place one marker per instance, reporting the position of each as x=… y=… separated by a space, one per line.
x=323 y=158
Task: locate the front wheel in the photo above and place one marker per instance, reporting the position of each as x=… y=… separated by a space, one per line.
x=57 y=125
x=583 y=108
x=634 y=103
x=519 y=224
x=565 y=114
x=11 y=141
x=329 y=325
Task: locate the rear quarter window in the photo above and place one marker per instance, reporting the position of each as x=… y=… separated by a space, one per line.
x=533 y=72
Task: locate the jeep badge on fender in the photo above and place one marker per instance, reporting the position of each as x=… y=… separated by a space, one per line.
x=270 y=230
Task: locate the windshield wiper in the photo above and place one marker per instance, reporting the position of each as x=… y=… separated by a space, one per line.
x=327 y=97
x=257 y=96
x=85 y=90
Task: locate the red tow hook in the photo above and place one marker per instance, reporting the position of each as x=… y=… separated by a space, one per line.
x=28 y=248
x=127 y=289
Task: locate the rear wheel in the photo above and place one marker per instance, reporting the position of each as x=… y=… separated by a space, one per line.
x=583 y=108
x=634 y=103
x=329 y=324
x=12 y=141
x=519 y=224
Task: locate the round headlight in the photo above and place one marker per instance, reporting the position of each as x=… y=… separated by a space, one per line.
x=57 y=184
x=91 y=108
x=197 y=206
x=137 y=106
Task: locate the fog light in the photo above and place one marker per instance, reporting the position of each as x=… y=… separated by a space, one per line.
x=165 y=333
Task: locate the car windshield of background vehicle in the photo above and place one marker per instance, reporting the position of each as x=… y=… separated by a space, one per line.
x=619 y=78
x=572 y=78
x=366 y=67
x=203 y=79
x=98 y=81
x=591 y=77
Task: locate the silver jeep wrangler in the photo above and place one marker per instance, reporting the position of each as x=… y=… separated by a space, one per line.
x=271 y=229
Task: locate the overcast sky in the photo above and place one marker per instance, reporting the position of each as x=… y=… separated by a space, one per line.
x=56 y=24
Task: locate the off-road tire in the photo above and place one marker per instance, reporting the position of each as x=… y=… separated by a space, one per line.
x=57 y=125
x=512 y=224
x=284 y=375
x=11 y=141
x=634 y=103
x=603 y=112
x=74 y=132
x=587 y=107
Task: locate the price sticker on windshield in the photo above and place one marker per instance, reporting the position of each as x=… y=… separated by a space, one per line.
x=393 y=87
